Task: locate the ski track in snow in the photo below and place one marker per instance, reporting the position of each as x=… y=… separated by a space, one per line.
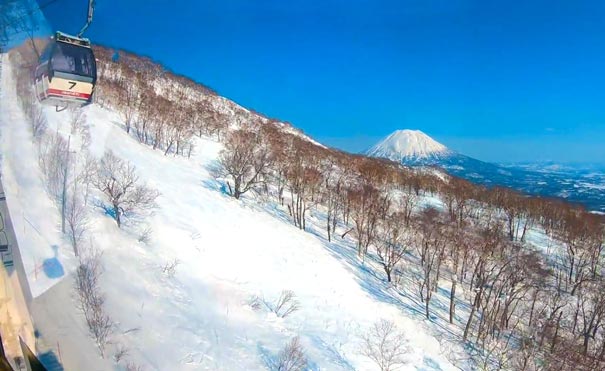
x=228 y=251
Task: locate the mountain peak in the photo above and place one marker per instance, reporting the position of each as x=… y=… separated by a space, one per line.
x=402 y=145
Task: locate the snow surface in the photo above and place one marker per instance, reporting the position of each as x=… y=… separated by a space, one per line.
x=229 y=251
x=404 y=145
x=34 y=215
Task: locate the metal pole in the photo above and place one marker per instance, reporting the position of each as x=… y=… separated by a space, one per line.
x=91 y=8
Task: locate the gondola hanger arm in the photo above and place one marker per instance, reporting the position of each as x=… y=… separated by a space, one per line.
x=91 y=8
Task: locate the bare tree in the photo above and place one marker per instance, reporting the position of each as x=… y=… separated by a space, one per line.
x=368 y=206
x=76 y=217
x=392 y=243
x=8 y=21
x=292 y=357
x=591 y=312
x=406 y=204
x=38 y=122
x=77 y=119
x=244 y=161
x=459 y=241
x=130 y=96
x=431 y=249
x=385 y=345
x=118 y=180
x=17 y=17
x=330 y=194
x=87 y=174
x=91 y=300
x=304 y=179
x=54 y=163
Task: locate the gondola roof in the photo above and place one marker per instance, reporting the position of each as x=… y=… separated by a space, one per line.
x=69 y=39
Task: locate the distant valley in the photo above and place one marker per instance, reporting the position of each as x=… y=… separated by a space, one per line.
x=575 y=183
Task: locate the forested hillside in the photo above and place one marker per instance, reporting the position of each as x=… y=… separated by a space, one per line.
x=505 y=281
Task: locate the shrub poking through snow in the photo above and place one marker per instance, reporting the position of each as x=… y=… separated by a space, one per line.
x=286 y=304
x=120 y=353
x=255 y=303
x=169 y=269
x=131 y=366
x=145 y=236
x=385 y=345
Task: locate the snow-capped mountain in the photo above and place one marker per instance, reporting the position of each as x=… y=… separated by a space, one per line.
x=409 y=145
x=415 y=148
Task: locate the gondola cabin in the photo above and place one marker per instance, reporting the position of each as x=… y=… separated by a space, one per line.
x=67 y=73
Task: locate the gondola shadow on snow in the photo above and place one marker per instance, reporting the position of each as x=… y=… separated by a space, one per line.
x=49 y=359
x=52 y=267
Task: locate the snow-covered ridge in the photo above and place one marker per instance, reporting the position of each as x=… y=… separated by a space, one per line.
x=165 y=83
x=408 y=144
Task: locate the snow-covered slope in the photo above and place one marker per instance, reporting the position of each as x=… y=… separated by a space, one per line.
x=409 y=145
x=229 y=253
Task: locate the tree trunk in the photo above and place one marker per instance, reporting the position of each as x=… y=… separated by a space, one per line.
x=116 y=211
x=347 y=232
x=533 y=305
x=554 y=338
x=472 y=314
x=585 y=345
x=452 y=301
x=387 y=270
x=236 y=188
x=427 y=303
x=328 y=228
x=168 y=148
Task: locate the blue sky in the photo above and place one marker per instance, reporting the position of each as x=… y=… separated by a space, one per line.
x=497 y=80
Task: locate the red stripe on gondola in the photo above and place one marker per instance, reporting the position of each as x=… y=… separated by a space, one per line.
x=68 y=93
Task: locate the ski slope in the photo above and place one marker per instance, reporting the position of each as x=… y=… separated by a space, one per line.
x=229 y=252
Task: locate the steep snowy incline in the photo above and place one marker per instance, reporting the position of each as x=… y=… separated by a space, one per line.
x=230 y=252
x=403 y=145
x=34 y=215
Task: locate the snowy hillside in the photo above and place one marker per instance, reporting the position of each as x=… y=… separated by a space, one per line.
x=230 y=258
